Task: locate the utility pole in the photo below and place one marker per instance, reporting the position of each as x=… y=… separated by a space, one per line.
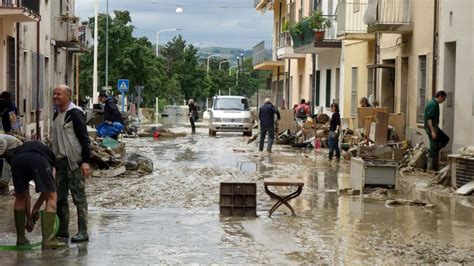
x=95 y=93
x=107 y=46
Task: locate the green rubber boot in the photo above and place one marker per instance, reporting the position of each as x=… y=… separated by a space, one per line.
x=81 y=235
x=47 y=229
x=20 y=223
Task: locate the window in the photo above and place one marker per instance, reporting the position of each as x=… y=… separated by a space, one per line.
x=292 y=12
x=34 y=77
x=421 y=87
x=300 y=86
x=328 y=88
x=354 y=80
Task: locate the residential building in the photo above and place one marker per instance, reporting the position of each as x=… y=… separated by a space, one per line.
x=302 y=67
x=456 y=70
x=358 y=52
x=43 y=37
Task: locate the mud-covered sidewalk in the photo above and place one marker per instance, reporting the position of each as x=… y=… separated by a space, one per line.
x=172 y=216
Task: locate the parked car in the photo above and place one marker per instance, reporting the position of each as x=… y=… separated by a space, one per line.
x=230 y=114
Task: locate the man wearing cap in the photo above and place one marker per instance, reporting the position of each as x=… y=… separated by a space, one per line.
x=266 y=116
x=32 y=161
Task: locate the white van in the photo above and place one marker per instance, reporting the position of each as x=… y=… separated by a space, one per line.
x=230 y=114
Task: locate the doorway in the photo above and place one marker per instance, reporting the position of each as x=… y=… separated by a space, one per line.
x=449 y=86
x=387 y=97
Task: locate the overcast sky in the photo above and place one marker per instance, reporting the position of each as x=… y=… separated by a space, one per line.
x=224 y=23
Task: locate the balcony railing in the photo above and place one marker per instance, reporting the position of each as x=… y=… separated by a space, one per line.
x=284 y=39
x=350 y=17
x=262 y=52
x=31 y=6
x=389 y=12
x=307 y=35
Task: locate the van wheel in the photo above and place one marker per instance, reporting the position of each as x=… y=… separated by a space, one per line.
x=212 y=133
x=248 y=133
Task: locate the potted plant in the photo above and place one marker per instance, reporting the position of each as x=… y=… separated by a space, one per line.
x=296 y=30
x=319 y=24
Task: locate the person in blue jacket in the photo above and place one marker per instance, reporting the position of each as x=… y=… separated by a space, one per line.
x=266 y=116
x=113 y=121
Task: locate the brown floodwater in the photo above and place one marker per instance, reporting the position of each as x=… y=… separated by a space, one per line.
x=172 y=216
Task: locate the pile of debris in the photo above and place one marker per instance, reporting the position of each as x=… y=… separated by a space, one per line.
x=160 y=132
x=109 y=159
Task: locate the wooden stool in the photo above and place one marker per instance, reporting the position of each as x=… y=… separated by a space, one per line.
x=283 y=200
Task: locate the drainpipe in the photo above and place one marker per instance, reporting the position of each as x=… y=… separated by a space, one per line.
x=435 y=47
x=288 y=85
x=38 y=57
x=18 y=65
x=376 y=61
x=77 y=79
x=277 y=85
x=313 y=88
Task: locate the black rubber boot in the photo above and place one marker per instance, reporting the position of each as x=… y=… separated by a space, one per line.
x=63 y=214
x=81 y=235
x=20 y=223
x=47 y=230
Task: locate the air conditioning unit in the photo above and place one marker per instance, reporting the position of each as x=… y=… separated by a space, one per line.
x=462 y=170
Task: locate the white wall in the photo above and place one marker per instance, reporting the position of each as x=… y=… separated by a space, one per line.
x=457 y=25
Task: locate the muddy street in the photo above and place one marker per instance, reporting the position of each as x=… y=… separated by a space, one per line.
x=172 y=216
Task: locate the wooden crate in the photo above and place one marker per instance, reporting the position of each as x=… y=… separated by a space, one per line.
x=238 y=199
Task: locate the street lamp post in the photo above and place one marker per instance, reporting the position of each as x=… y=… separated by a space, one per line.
x=209 y=57
x=236 y=73
x=158 y=39
x=220 y=64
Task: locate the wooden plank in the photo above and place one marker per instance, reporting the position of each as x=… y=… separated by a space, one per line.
x=283 y=182
x=363 y=112
x=398 y=122
x=287 y=121
x=381 y=130
x=381 y=153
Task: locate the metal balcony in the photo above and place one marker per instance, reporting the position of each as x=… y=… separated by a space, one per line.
x=389 y=16
x=262 y=60
x=20 y=10
x=75 y=40
x=350 y=20
x=262 y=5
x=284 y=49
x=306 y=43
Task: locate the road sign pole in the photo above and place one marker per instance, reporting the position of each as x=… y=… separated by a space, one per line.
x=123 y=101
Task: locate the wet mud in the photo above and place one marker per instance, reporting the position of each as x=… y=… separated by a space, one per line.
x=172 y=216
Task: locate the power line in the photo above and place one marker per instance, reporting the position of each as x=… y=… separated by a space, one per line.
x=203 y=5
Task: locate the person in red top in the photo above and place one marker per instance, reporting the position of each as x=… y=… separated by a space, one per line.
x=302 y=111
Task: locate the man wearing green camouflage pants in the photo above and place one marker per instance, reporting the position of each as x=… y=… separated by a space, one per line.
x=71 y=145
x=438 y=139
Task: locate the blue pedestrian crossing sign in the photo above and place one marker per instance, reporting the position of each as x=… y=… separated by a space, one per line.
x=123 y=85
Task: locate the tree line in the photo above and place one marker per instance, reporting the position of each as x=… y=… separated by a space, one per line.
x=178 y=74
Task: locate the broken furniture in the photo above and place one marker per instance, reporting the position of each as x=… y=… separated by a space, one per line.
x=283 y=200
x=238 y=199
x=372 y=173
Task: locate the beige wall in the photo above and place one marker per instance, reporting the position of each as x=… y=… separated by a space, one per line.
x=410 y=46
x=50 y=28
x=357 y=54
